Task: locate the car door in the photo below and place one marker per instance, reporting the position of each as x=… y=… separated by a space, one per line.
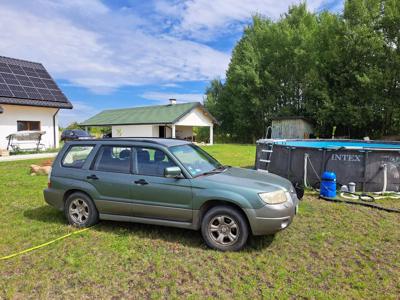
x=111 y=176
x=157 y=196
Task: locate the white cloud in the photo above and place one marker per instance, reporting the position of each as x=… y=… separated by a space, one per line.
x=163 y=97
x=86 y=7
x=171 y=85
x=65 y=49
x=334 y=6
x=206 y=19
x=80 y=113
x=96 y=47
x=100 y=49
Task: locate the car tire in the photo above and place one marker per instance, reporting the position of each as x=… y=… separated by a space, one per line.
x=80 y=210
x=224 y=228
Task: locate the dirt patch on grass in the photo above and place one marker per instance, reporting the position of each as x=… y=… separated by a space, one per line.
x=47 y=163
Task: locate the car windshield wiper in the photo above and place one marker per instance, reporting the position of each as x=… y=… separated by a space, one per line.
x=222 y=167
x=217 y=170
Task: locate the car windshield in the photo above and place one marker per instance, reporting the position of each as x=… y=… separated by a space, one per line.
x=195 y=160
x=81 y=133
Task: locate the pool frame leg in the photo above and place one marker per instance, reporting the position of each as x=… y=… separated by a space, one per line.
x=323 y=162
x=365 y=171
x=289 y=163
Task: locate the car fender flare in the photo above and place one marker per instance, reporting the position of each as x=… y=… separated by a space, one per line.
x=225 y=197
x=205 y=195
x=80 y=186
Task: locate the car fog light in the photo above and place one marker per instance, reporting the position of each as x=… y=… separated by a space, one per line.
x=284 y=224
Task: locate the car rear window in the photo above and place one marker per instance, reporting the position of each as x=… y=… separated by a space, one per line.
x=76 y=156
x=114 y=159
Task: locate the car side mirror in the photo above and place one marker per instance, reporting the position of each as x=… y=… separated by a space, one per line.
x=173 y=172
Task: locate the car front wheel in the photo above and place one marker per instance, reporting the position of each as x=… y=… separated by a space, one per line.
x=224 y=228
x=80 y=210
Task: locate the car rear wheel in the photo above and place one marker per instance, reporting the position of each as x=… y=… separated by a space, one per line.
x=224 y=228
x=80 y=210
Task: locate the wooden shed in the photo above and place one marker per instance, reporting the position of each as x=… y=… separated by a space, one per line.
x=295 y=127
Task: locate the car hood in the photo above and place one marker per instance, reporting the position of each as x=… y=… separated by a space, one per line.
x=260 y=181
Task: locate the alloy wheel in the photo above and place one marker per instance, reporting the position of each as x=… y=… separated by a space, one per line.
x=223 y=230
x=79 y=211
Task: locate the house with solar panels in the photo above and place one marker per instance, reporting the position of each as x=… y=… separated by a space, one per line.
x=164 y=121
x=29 y=102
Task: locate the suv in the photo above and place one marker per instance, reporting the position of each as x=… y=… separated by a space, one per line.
x=168 y=182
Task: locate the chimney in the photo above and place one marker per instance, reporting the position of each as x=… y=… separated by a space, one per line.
x=172 y=101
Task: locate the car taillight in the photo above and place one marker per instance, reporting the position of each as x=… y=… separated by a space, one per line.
x=49 y=179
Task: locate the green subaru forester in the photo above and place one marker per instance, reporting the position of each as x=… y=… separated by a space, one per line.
x=168 y=182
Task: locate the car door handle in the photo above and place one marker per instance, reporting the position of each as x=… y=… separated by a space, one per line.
x=141 y=182
x=94 y=177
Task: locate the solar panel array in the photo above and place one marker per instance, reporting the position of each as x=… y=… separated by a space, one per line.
x=26 y=80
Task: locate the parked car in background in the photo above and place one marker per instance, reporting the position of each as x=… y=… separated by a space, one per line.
x=168 y=182
x=75 y=134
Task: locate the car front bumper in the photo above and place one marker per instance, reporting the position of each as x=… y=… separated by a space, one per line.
x=270 y=219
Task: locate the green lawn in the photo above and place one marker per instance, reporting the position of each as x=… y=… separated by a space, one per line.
x=330 y=251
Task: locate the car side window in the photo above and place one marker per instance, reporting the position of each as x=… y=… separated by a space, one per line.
x=76 y=156
x=152 y=162
x=114 y=159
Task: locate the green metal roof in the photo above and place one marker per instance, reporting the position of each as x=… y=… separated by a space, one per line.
x=159 y=114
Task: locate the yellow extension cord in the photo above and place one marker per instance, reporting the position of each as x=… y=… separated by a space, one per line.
x=43 y=245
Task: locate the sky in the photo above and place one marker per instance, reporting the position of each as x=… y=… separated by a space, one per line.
x=116 y=54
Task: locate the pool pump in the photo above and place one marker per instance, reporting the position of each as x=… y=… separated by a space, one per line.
x=328 y=185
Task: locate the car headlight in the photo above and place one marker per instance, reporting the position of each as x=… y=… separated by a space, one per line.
x=276 y=197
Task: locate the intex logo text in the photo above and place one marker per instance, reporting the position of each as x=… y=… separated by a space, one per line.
x=346 y=157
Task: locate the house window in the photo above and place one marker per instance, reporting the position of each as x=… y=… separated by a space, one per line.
x=28 y=125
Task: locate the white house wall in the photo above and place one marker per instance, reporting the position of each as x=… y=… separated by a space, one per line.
x=134 y=131
x=195 y=118
x=184 y=126
x=168 y=132
x=14 y=113
x=155 y=131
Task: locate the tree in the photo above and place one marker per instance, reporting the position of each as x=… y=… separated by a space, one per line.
x=73 y=125
x=337 y=70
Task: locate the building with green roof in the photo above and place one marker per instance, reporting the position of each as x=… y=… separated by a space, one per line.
x=170 y=121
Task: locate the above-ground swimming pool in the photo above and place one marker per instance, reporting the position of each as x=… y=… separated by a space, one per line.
x=373 y=165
